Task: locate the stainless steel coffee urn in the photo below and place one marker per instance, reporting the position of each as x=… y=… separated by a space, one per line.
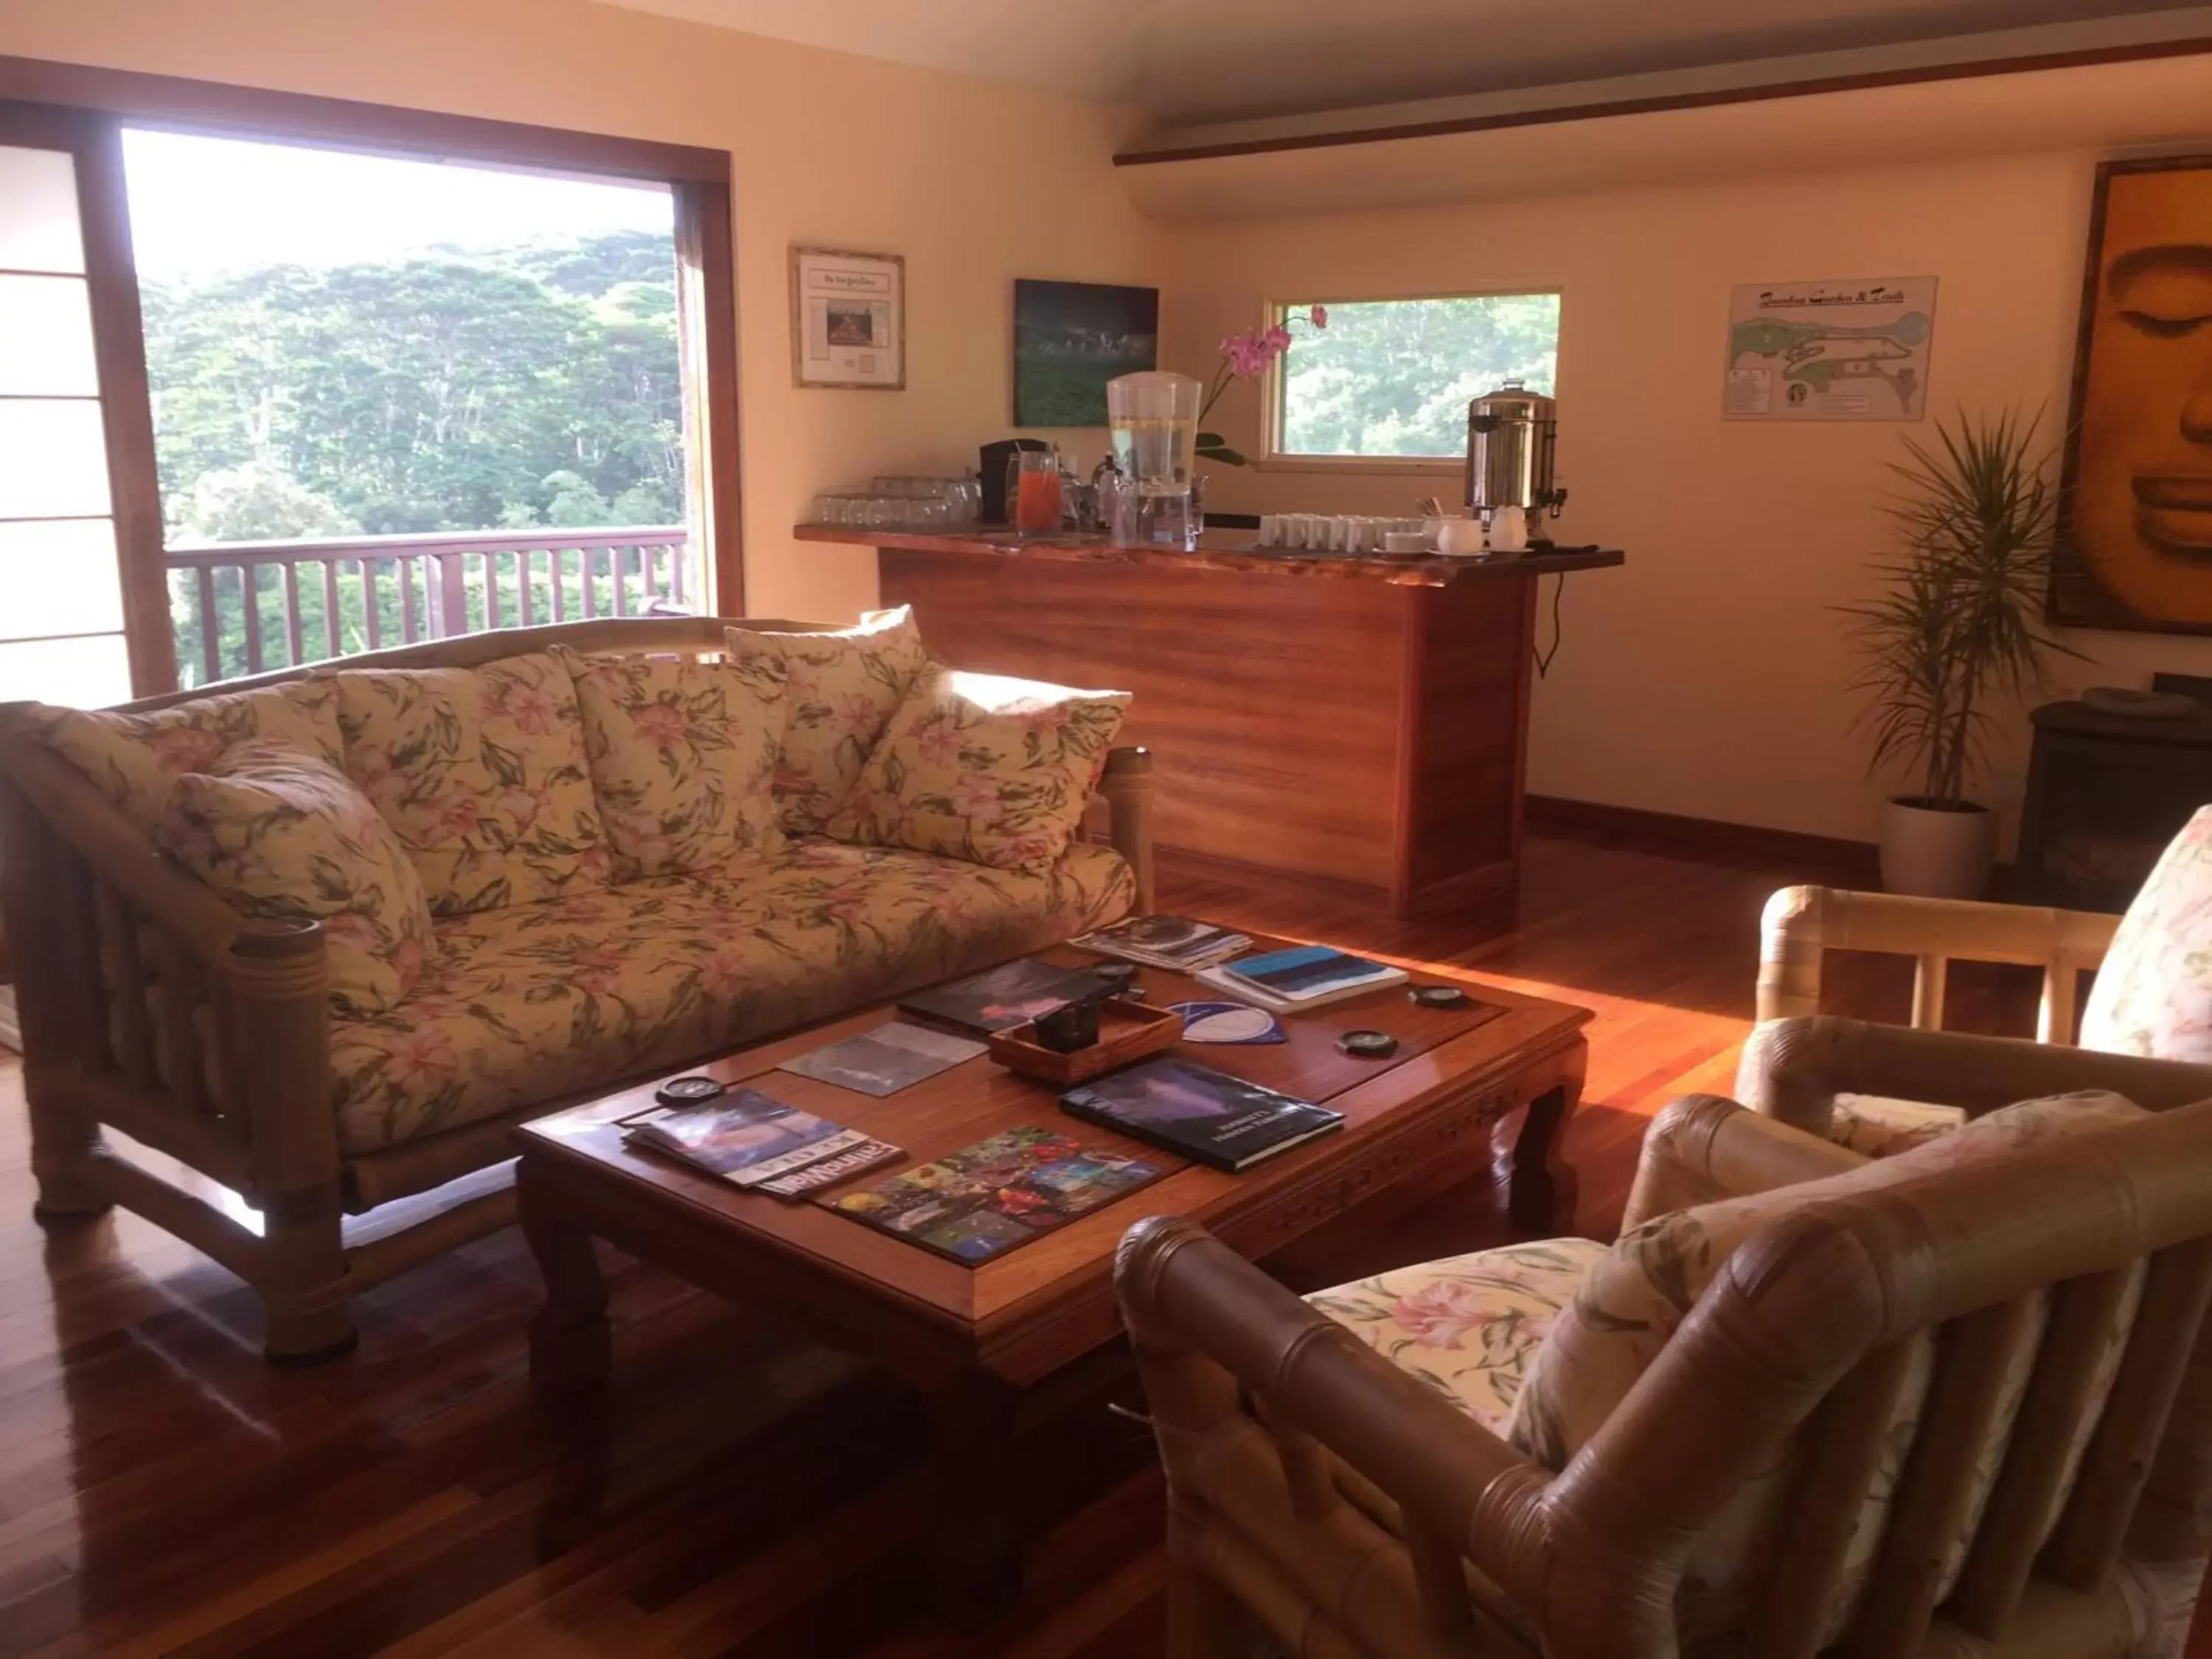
x=1512 y=437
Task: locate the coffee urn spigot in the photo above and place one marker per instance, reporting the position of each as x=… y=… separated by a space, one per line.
x=1512 y=444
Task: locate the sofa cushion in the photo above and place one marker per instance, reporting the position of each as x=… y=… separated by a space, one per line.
x=481 y=773
x=984 y=768
x=843 y=687
x=1636 y=1296
x=1467 y=1326
x=534 y=1002
x=681 y=754
x=2154 y=992
x=284 y=835
x=135 y=758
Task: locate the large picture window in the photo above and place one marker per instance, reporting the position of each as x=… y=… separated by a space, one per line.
x=1390 y=379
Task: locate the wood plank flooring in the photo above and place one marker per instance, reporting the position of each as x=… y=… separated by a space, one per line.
x=163 y=1491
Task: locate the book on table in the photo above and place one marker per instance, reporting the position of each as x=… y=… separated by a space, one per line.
x=1305 y=976
x=999 y=998
x=748 y=1138
x=1210 y=1117
x=1178 y=943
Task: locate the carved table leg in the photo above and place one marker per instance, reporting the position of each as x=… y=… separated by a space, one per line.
x=1541 y=1195
x=975 y=1541
x=570 y=1349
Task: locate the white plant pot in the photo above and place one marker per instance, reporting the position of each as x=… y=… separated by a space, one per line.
x=1937 y=852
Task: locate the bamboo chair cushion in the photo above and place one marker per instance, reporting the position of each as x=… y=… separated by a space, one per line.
x=983 y=767
x=681 y=754
x=1467 y=1326
x=2154 y=994
x=480 y=772
x=1876 y=1126
x=135 y=759
x=533 y=1002
x=843 y=687
x=281 y=834
x=1637 y=1295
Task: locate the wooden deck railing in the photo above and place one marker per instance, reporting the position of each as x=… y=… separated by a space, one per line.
x=359 y=592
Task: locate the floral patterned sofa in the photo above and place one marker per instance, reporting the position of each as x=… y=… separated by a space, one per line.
x=376 y=913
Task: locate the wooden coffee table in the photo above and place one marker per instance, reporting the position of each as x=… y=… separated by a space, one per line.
x=1471 y=1090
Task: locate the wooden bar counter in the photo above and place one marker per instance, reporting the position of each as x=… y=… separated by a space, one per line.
x=1357 y=723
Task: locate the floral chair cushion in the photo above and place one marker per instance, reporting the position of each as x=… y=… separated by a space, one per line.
x=284 y=835
x=1636 y=1298
x=2154 y=994
x=1467 y=1326
x=535 y=1001
x=481 y=771
x=682 y=757
x=844 y=689
x=135 y=758
x=979 y=767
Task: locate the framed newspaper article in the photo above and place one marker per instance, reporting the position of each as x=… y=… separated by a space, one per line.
x=847 y=320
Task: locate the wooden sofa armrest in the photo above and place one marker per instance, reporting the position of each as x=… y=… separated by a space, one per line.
x=1802 y=924
x=1702 y=1147
x=1127 y=784
x=1210 y=1330
x=1793 y=1069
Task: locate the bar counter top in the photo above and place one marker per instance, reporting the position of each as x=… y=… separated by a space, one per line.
x=1232 y=551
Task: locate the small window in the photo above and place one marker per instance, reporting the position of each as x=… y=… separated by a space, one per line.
x=1391 y=378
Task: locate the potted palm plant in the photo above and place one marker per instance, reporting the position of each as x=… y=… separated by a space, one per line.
x=1958 y=630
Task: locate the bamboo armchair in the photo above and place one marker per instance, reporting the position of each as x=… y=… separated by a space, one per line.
x=1318 y=1491
x=150 y=1006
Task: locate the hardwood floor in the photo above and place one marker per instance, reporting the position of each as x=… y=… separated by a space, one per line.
x=164 y=1492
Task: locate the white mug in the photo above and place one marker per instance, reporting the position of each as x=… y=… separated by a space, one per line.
x=1460 y=537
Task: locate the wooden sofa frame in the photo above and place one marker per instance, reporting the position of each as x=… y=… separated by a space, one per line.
x=240 y=1010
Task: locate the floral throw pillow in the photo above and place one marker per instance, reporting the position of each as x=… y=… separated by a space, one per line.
x=984 y=768
x=135 y=758
x=2154 y=994
x=844 y=689
x=683 y=755
x=283 y=835
x=480 y=772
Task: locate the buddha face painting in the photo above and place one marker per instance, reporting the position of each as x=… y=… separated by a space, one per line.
x=2139 y=502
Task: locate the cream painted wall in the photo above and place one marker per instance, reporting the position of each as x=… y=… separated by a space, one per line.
x=1710 y=676
x=826 y=149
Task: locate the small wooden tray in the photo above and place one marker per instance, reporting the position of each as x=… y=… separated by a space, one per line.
x=1127 y=1031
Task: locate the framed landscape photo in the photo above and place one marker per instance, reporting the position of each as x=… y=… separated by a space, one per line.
x=847 y=320
x=1070 y=338
x=2135 y=506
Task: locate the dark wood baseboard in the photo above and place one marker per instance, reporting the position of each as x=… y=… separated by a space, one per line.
x=1828 y=858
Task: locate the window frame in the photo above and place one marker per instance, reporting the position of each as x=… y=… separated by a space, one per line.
x=93 y=104
x=1273 y=458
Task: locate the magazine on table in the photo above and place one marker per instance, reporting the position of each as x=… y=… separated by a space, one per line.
x=742 y=1135
x=1171 y=942
x=1307 y=976
x=985 y=1200
x=886 y=1060
x=1208 y=1117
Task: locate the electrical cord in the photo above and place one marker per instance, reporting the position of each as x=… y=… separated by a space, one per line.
x=1558 y=632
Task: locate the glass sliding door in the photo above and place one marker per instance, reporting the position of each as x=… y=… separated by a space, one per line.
x=66 y=517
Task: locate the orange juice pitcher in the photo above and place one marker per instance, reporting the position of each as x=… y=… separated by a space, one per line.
x=1034 y=496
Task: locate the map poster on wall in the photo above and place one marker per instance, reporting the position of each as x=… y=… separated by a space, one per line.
x=1829 y=351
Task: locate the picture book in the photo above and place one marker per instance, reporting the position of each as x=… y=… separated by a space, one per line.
x=999 y=998
x=1173 y=942
x=987 y=1199
x=886 y=1060
x=743 y=1136
x=1208 y=1117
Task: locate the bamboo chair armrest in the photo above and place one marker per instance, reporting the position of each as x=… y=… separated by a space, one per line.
x=1701 y=1148
x=1188 y=1296
x=1125 y=782
x=121 y=856
x=1801 y=924
x=1793 y=1069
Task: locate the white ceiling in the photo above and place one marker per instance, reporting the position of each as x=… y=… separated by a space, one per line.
x=1195 y=61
